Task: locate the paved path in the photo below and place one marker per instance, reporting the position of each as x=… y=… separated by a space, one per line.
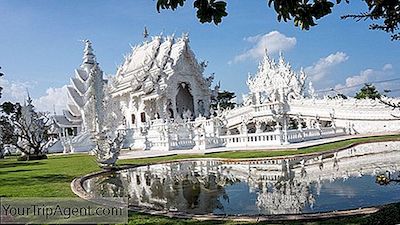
x=126 y=154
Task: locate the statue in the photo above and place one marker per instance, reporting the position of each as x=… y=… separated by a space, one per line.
x=107 y=150
x=187 y=115
x=201 y=108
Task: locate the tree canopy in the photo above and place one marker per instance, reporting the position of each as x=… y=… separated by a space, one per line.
x=224 y=100
x=383 y=14
x=24 y=128
x=368 y=92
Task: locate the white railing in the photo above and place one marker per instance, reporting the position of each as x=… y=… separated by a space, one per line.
x=265 y=107
x=313 y=133
x=213 y=142
x=252 y=140
x=180 y=136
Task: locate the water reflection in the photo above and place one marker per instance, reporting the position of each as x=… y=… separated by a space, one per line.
x=340 y=180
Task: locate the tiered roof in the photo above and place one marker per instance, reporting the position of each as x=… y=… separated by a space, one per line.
x=151 y=61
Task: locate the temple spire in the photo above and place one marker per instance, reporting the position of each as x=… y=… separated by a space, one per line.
x=88 y=55
x=281 y=58
x=28 y=99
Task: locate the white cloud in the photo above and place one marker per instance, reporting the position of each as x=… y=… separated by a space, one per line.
x=14 y=91
x=55 y=99
x=273 y=41
x=354 y=83
x=387 y=67
x=322 y=68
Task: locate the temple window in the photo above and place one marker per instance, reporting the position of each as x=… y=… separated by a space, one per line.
x=143 y=117
x=171 y=113
x=70 y=131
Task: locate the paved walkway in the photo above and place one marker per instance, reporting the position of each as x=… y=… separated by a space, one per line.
x=126 y=154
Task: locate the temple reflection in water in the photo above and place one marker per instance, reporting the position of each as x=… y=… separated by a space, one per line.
x=340 y=180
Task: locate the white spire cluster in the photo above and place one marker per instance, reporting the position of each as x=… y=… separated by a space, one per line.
x=276 y=81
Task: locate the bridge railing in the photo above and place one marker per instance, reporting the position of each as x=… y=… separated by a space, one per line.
x=278 y=137
x=252 y=140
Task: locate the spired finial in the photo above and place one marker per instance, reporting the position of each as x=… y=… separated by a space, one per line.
x=281 y=58
x=28 y=99
x=145 y=33
x=88 y=55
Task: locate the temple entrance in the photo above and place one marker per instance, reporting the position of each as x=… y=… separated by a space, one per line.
x=184 y=100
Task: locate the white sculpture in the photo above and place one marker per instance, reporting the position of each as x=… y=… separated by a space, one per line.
x=311 y=90
x=276 y=81
x=108 y=141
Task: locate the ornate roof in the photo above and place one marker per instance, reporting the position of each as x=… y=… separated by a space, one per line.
x=151 y=61
x=274 y=77
x=62 y=121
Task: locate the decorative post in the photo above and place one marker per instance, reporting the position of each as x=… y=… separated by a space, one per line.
x=318 y=125
x=333 y=125
x=258 y=127
x=243 y=131
x=278 y=131
x=285 y=129
x=300 y=128
x=200 y=138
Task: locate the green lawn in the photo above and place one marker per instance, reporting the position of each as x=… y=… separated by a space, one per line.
x=52 y=178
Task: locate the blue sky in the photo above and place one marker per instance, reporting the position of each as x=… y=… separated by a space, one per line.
x=39 y=47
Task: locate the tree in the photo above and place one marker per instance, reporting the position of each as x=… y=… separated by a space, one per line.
x=224 y=100
x=368 y=91
x=304 y=13
x=29 y=130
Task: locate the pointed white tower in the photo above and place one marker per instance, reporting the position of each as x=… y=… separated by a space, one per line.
x=87 y=77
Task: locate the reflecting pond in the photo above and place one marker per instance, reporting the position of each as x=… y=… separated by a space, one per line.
x=362 y=176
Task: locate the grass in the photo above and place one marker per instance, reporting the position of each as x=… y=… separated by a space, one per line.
x=52 y=177
x=43 y=178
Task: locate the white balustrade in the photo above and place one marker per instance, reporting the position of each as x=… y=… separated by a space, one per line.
x=252 y=140
x=170 y=136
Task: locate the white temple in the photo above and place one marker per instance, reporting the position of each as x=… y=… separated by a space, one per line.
x=164 y=100
x=161 y=79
